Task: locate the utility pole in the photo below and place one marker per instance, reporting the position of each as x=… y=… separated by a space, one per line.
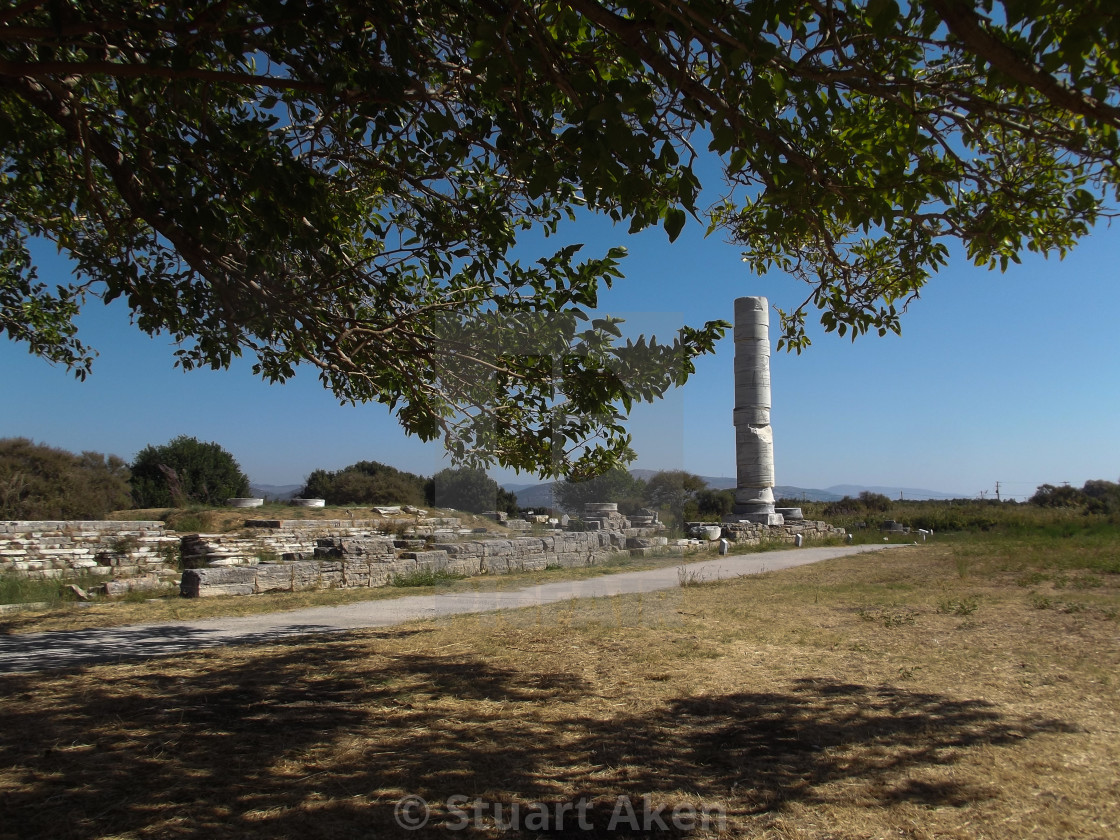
x=998 y=499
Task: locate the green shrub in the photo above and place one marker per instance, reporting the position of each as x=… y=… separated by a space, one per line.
x=365 y=483
x=41 y=482
x=468 y=489
x=959 y=606
x=21 y=590
x=186 y=471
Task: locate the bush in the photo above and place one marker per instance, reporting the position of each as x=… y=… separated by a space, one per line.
x=41 y=482
x=186 y=471
x=365 y=483
x=616 y=485
x=1096 y=496
x=715 y=503
x=673 y=492
x=469 y=489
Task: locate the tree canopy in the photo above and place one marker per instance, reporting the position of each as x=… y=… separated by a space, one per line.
x=366 y=482
x=183 y=471
x=673 y=490
x=1096 y=496
x=339 y=185
x=469 y=489
x=614 y=485
x=41 y=482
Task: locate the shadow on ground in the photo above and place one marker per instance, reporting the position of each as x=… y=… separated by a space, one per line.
x=70 y=648
x=319 y=739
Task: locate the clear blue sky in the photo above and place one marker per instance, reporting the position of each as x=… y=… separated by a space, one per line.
x=996 y=377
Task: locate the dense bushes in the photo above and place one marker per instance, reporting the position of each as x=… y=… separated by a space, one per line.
x=41 y=482
x=469 y=489
x=371 y=483
x=1095 y=496
x=677 y=494
x=616 y=485
x=186 y=471
x=365 y=483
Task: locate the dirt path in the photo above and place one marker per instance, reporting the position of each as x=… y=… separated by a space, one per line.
x=62 y=649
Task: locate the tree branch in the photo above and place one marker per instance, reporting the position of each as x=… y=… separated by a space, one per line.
x=962 y=20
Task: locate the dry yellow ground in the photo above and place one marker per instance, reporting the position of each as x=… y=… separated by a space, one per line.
x=881 y=696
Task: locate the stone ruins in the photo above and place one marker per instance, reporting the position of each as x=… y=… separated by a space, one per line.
x=289 y=555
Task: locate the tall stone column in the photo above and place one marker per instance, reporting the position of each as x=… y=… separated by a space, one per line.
x=754 y=439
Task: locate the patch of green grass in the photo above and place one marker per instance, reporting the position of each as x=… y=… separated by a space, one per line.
x=426 y=577
x=888 y=617
x=959 y=606
x=1041 y=602
x=963 y=564
x=1032 y=579
x=1087 y=582
x=19 y=590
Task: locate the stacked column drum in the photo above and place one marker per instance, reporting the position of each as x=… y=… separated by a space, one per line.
x=754 y=438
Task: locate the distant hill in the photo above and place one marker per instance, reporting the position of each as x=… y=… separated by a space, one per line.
x=803 y=494
x=275 y=491
x=540 y=495
x=532 y=495
x=911 y=493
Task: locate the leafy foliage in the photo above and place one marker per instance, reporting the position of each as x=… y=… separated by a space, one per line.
x=365 y=483
x=41 y=482
x=339 y=185
x=715 y=503
x=867 y=502
x=672 y=491
x=469 y=489
x=1096 y=496
x=616 y=485
x=185 y=471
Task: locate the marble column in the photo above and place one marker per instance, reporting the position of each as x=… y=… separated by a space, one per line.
x=754 y=438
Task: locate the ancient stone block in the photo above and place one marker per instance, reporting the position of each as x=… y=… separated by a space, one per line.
x=202 y=583
x=427 y=559
x=497 y=548
x=273 y=577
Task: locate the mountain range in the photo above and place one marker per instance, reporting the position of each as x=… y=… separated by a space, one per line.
x=280 y=492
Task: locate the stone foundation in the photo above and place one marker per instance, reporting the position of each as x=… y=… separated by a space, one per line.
x=750 y=533
x=349 y=561
x=69 y=549
x=294 y=555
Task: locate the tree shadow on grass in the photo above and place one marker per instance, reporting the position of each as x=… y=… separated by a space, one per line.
x=320 y=738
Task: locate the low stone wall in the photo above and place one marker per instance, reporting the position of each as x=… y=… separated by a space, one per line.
x=69 y=549
x=291 y=555
x=296 y=539
x=369 y=561
x=751 y=533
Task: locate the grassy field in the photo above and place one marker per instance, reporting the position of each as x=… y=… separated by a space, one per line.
x=967 y=688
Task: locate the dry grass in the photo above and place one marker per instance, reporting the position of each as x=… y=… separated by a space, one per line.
x=867 y=697
x=69 y=615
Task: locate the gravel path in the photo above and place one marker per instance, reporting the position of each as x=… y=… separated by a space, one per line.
x=63 y=649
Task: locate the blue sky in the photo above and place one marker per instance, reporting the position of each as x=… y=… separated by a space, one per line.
x=1008 y=377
